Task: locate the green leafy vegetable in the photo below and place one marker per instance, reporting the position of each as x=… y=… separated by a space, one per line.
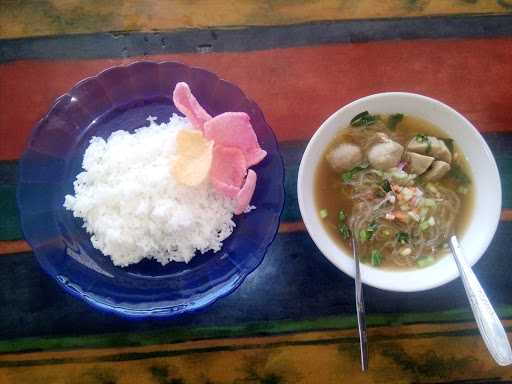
x=393 y=120
x=344 y=231
x=323 y=213
x=373 y=227
x=402 y=237
x=386 y=186
x=426 y=261
x=367 y=234
x=341 y=215
x=363 y=119
x=349 y=175
x=376 y=258
x=458 y=174
x=358 y=117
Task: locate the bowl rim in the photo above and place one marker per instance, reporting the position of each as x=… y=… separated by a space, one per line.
x=327 y=251
x=226 y=288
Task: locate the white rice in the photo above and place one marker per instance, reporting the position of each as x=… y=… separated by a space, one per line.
x=132 y=207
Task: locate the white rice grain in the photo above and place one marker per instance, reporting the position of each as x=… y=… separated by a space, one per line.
x=132 y=207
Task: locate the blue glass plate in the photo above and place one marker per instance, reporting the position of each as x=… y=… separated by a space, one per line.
x=122 y=98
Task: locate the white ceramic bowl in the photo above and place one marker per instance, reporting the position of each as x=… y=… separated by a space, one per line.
x=486 y=181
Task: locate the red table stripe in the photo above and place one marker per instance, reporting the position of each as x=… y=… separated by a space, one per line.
x=297 y=88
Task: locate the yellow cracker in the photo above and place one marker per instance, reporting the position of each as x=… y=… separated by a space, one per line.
x=193 y=157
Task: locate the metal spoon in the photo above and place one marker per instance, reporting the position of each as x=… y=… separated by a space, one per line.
x=489 y=324
x=361 y=319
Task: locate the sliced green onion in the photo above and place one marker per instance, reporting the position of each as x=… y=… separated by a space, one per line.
x=344 y=231
x=367 y=234
x=402 y=237
x=424 y=225
x=372 y=228
x=323 y=213
x=463 y=190
x=376 y=258
x=431 y=221
x=341 y=215
x=421 y=138
x=426 y=261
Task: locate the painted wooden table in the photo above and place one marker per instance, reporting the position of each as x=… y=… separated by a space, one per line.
x=299 y=61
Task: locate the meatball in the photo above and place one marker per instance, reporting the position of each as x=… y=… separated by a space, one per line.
x=385 y=155
x=344 y=157
x=437 y=171
x=417 y=163
x=430 y=145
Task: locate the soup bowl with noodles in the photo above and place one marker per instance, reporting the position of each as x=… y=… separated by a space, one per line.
x=399 y=172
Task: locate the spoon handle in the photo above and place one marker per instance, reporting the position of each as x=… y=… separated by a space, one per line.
x=361 y=317
x=489 y=324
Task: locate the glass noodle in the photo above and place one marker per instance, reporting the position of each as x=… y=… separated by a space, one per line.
x=399 y=219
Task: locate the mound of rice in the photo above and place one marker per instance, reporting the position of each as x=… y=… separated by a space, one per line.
x=132 y=207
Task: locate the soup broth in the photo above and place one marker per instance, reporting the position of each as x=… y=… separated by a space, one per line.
x=399 y=219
